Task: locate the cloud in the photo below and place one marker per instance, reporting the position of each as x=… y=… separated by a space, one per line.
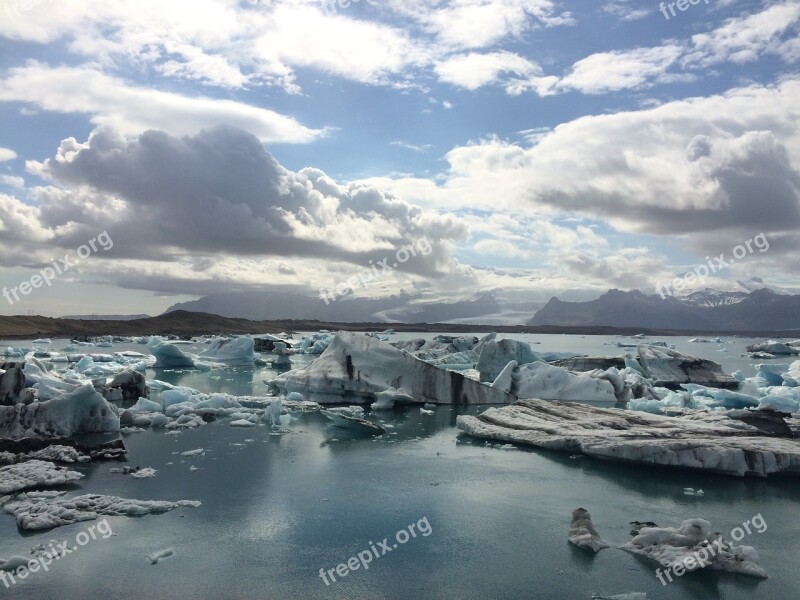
x=738 y=40
x=216 y=202
x=624 y=12
x=237 y=45
x=112 y=102
x=745 y=39
x=12 y=181
x=612 y=71
x=412 y=147
x=722 y=163
x=474 y=70
x=222 y=43
x=7 y=154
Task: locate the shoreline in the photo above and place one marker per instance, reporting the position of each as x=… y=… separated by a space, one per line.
x=188 y=324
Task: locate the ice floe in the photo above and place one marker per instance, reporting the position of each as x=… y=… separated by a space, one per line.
x=705 y=441
x=353 y=421
x=34 y=473
x=582 y=532
x=155 y=557
x=37 y=513
x=694 y=546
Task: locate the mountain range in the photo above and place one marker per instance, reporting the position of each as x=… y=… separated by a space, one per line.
x=708 y=310
x=483 y=308
x=753 y=306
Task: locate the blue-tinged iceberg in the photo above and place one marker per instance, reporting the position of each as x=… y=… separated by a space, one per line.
x=356 y=367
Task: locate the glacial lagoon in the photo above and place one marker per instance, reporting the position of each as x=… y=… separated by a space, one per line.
x=278 y=508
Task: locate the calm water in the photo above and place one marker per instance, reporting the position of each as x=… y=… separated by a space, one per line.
x=277 y=509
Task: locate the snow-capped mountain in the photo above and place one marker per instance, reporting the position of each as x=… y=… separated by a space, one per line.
x=707 y=310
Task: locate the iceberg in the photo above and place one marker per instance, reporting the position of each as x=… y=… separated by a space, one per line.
x=36 y=514
x=127 y=386
x=665 y=366
x=774 y=347
x=34 y=473
x=357 y=367
x=582 y=532
x=694 y=546
x=238 y=351
x=548 y=382
x=80 y=411
x=704 y=441
x=496 y=355
x=12 y=385
x=168 y=356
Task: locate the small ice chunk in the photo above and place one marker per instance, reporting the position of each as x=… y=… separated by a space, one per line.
x=582 y=532
x=161 y=554
x=242 y=423
x=196 y=452
x=13 y=563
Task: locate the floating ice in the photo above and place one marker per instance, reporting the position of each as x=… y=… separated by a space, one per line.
x=168 y=356
x=34 y=473
x=14 y=563
x=774 y=347
x=694 y=546
x=195 y=452
x=582 y=532
x=80 y=411
x=136 y=472
x=387 y=399
x=358 y=366
x=161 y=554
x=35 y=514
x=548 y=382
x=696 y=441
x=356 y=424
x=238 y=351
x=496 y=355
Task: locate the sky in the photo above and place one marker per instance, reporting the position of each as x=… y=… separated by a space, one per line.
x=537 y=147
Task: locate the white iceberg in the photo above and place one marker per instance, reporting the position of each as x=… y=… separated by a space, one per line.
x=582 y=532
x=706 y=441
x=34 y=473
x=36 y=513
x=548 y=382
x=694 y=546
